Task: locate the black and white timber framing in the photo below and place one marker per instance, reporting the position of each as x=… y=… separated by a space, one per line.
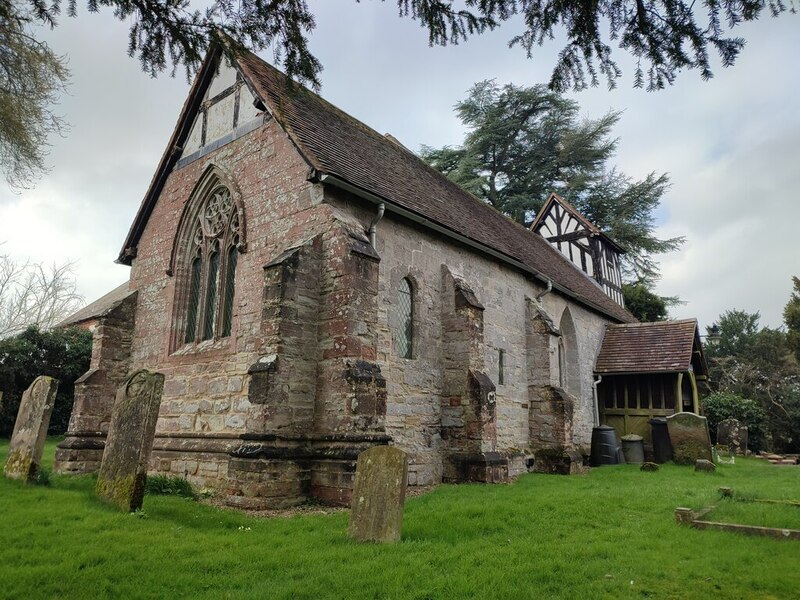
x=582 y=243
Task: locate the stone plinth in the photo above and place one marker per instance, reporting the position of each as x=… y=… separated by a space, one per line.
x=688 y=433
x=123 y=471
x=379 y=495
x=30 y=429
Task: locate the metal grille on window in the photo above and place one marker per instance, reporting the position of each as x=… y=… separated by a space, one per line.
x=405 y=320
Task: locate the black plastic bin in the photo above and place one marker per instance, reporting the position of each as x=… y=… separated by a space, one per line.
x=604 y=447
x=662 y=447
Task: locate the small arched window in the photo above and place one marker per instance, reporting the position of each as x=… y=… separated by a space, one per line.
x=404 y=320
x=212 y=255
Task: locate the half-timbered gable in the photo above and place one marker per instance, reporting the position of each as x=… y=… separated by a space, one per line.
x=582 y=242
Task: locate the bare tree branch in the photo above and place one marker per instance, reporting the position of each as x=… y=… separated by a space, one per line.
x=32 y=294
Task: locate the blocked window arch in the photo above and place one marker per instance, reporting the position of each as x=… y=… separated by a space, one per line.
x=204 y=258
x=568 y=355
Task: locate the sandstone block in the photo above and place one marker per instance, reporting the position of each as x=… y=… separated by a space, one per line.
x=689 y=436
x=379 y=495
x=705 y=466
x=30 y=429
x=123 y=471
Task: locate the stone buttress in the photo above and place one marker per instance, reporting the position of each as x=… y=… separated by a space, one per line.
x=82 y=448
x=469 y=421
x=317 y=397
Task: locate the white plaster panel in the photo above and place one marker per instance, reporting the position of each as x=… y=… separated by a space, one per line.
x=247 y=111
x=195 y=139
x=225 y=78
x=220 y=118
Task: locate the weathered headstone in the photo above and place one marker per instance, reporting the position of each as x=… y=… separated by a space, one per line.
x=30 y=429
x=123 y=471
x=379 y=494
x=734 y=434
x=688 y=434
x=705 y=466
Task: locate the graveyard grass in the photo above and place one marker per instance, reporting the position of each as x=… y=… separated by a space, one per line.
x=609 y=534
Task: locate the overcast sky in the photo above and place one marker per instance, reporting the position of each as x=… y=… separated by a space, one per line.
x=731 y=145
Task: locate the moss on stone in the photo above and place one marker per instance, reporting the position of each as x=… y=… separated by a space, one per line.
x=688 y=451
x=118 y=491
x=18 y=465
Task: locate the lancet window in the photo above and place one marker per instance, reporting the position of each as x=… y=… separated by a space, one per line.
x=404 y=320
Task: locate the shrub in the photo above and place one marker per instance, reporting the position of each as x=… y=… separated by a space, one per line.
x=163 y=485
x=60 y=353
x=722 y=405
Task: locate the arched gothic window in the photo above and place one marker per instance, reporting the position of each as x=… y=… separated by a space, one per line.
x=211 y=256
x=404 y=320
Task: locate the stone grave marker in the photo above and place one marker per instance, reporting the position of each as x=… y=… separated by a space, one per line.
x=123 y=472
x=30 y=429
x=379 y=494
x=705 y=466
x=733 y=434
x=689 y=436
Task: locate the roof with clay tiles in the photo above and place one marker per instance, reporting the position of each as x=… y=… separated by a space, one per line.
x=343 y=149
x=660 y=347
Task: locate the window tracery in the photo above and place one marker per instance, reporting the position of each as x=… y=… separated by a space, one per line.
x=212 y=255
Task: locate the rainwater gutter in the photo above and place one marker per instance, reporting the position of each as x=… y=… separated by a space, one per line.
x=337 y=182
x=596 y=405
x=545 y=291
x=373 y=227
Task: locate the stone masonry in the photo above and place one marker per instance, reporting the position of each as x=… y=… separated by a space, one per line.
x=279 y=410
x=82 y=448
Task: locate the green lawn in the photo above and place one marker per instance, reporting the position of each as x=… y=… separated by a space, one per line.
x=610 y=534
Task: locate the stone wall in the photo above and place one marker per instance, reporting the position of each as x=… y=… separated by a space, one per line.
x=308 y=378
x=82 y=448
x=418 y=399
x=288 y=400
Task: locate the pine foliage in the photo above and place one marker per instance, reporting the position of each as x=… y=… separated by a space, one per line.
x=524 y=143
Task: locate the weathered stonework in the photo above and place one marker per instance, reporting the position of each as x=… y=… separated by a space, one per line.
x=82 y=448
x=30 y=429
x=689 y=436
x=279 y=410
x=379 y=494
x=734 y=435
x=123 y=471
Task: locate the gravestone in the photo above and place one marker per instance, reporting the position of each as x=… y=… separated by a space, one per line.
x=30 y=429
x=705 y=466
x=379 y=493
x=688 y=434
x=733 y=434
x=123 y=472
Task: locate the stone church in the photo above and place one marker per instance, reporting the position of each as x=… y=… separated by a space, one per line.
x=310 y=288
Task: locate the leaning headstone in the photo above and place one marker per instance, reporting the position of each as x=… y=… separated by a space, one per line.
x=123 y=472
x=688 y=434
x=30 y=429
x=734 y=434
x=379 y=494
